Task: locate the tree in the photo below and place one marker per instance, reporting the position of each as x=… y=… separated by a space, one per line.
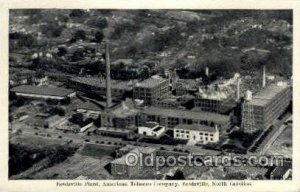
x=79 y=34
x=99 y=36
x=99 y=22
x=26 y=40
x=77 y=13
x=62 y=51
x=57 y=111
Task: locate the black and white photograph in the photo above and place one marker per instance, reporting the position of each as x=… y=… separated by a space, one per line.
x=150 y=94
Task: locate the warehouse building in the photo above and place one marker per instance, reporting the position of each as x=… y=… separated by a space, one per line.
x=97 y=86
x=260 y=110
x=53 y=121
x=152 y=129
x=172 y=117
x=43 y=92
x=150 y=90
x=197 y=133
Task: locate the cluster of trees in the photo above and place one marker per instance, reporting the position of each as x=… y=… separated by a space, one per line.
x=51 y=29
x=22 y=40
x=99 y=22
x=57 y=111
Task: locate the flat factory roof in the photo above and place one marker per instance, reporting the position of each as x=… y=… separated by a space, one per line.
x=187 y=114
x=42 y=90
x=196 y=127
x=89 y=106
x=150 y=83
x=98 y=82
x=124 y=109
x=264 y=96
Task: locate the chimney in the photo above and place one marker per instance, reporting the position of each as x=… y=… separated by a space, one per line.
x=108 y=83
x=264 y=76
x=206 y=71
x=238 y=89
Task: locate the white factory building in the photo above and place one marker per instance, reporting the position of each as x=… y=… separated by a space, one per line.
x=197 y=133
x=152 y=129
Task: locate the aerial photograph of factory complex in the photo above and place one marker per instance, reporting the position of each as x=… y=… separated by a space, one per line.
x=93 y=93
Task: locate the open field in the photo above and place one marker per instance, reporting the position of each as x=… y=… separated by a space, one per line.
x=76 y=166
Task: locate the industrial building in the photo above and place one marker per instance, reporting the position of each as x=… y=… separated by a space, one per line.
x=151 y=129
x=172 y=117
x=150 y=90
x=197 y=133
x=185 y=86
x=261 y=109
x=89 y=108
x=170 y=101
x=97 y=86
x=219 y=97
x=53 y=121
x=119 y=120
x=43 y=92
x=120 y=116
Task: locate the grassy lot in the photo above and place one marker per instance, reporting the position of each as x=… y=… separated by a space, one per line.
x=283 y=144
x=75 y=166
x=96 y=151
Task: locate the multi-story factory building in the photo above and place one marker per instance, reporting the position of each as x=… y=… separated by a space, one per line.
x=150 y=90
x=260 y=110
x=218 y=97
x=185 y=86
x=173 y=117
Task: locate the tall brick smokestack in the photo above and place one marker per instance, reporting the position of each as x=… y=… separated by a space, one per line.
x=207 y=71
x=264 y=76
x=238 y=89
x=108 y=83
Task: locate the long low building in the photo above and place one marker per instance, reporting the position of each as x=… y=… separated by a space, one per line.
x=97 y=86
x=43 y=92
x=173 y=117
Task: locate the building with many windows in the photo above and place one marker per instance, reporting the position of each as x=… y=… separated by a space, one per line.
x=197 y=133
x=172 y=117
x=150 y=90
x=260 y=110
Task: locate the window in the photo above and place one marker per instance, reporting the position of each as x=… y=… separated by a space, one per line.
x=201 y=133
